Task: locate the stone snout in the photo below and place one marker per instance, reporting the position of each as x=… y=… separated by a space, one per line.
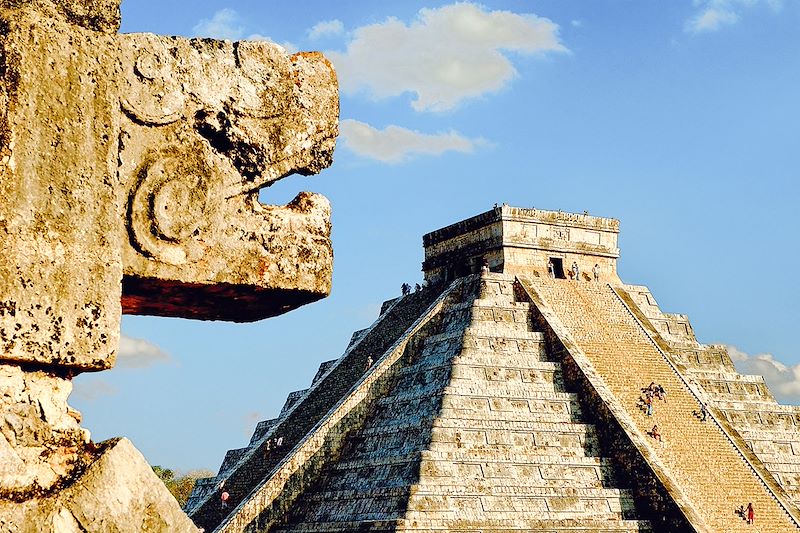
x=208 y=124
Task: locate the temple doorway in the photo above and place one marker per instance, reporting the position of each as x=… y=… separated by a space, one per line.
x=558 y=267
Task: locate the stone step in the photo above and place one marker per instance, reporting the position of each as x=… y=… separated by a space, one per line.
x=531 y=519
x=493 y=311
x=535 y=405
x=769 y=434
x=371 y=526
x=535 y=379
x=490 y=428
x=453 y=338
x=535 y=373
x=565 y=449
x=385 y=473
x=765 y=406
x=528 y=409
x=542 y=442
x=533 y=358
x=502 y=331
x=331 y=505
x=783 y=467
x=500 y=396
x=529 y=358
x=503 y=303
x=514 y=424
x=527 y=465
x=474 y=488
x=786 y=451
x=504 y=389
x=609 y=523
x=502 y=458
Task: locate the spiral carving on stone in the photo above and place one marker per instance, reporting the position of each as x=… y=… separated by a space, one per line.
x=152 y=93
x=169 y=205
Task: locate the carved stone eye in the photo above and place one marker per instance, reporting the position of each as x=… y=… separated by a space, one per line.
x=177 y=207
x=150 y=66
x=169 y=205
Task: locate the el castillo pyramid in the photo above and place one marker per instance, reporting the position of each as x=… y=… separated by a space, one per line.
x=505 y=396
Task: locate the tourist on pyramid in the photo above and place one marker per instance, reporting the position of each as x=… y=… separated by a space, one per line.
x=224 y=499
x=655 y=433
x=596 y=272
x=751 y=515
x=576 y=271
x=661 y=394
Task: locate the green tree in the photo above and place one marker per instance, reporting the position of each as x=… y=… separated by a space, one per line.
x=182 y=485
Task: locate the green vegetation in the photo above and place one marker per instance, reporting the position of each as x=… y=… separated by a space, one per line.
x=180 y=486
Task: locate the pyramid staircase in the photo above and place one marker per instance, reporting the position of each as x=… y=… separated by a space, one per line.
x=467 y=426
x=706 y=468
x=770 y=430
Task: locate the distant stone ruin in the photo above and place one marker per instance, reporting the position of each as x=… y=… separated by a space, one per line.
x=130 y=168
x=506 y=396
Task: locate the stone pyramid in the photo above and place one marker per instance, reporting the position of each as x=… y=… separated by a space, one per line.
x=509 y=398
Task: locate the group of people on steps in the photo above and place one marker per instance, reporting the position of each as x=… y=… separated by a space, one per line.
x=655 y=391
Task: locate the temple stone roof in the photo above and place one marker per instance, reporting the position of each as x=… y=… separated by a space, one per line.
x=520 y=240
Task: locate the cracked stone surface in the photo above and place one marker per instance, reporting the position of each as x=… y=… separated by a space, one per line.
x=117 y=492
x=40 y=435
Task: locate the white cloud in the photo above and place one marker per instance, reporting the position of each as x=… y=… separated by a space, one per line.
x=576 y=23
x=227 y=24
x=711 y=19
x=394 y=144
x=715 y=14
x=139 y=353
x=326 y=28
x=89 y=389
x=444 y=56
x=224 y=24
x=249 y=421
x=783 y=381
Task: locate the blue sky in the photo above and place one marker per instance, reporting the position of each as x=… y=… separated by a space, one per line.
x=679 y=118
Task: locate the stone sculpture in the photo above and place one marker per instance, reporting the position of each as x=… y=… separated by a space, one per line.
x=130 y=168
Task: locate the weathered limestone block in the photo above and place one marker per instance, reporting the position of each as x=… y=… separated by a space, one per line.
x=99 y=15
x=59 y=219
x=40 y=435
x=118 y=492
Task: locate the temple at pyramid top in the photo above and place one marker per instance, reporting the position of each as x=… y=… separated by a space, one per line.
x=519 y=240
